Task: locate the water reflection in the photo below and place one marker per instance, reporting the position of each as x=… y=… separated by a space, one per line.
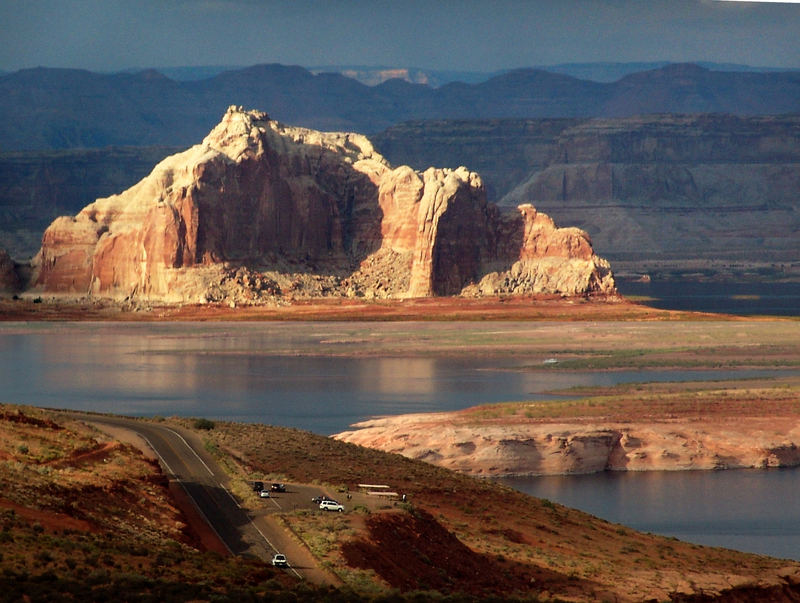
x=413 y=376
x=224 y=371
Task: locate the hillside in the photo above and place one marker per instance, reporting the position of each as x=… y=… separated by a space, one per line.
x=88 y=518
x=71 y=524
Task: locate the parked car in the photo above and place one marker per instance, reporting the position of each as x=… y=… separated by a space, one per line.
x=331 y=505
x=279 y=560
x=318 y=499
x=264 y=494
x=258 y=486
x=278 y=487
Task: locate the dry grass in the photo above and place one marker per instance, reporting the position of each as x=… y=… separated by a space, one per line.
x=684 y=401
x=455 y=535
x=86 y=518
x=536 y=542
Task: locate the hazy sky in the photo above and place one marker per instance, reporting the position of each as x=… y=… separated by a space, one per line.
x=477 y=35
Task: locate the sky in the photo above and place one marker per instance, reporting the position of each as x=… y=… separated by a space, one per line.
x=460 y=35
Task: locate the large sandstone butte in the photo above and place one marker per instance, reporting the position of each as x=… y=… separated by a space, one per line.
x=260 y=210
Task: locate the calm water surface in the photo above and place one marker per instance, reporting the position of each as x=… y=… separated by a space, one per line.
x=750 y=510
x=746 y=299
x=247 y=372
x=230 y=372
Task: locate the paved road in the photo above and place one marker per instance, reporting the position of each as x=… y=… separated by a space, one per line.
x=185 y=459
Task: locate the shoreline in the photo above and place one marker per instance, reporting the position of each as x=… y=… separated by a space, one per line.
x=336 y=309
x=650 y=427
x=573 y=449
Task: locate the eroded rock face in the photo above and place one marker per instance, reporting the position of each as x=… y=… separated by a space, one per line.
x=305 y=214
x=664 y=189
x=563 y=448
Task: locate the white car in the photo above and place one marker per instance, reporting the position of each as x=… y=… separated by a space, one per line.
x=264 y=494
x=331 y=505
x=279 y=560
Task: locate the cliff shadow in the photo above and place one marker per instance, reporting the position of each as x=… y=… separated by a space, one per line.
x=506 y=234
x=307 y=211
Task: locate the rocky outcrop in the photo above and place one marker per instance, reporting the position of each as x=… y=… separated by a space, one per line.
x=553 y=448
x=548 y=260
x=260 y=210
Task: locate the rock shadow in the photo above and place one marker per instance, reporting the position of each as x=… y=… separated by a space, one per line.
x=304 y=211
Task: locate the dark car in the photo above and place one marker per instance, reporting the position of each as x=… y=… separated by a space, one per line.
x=258 y=486
x=318 y=499
x=278 y=487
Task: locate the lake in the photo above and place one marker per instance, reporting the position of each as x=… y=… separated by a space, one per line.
x=263 y=372
x=746 y=299
x=750 y=510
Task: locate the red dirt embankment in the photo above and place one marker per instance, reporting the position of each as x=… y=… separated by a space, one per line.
x=412 y=551
x=434 y=308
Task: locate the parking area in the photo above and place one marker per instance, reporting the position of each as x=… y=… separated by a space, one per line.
x=292 y=497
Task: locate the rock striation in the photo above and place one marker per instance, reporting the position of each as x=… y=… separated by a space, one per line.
x=658 y=188
x=556 y=448
x=261 y=211
x=674 y=196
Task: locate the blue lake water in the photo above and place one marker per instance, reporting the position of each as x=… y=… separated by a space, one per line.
x=230 y=371
x=750 y=510
x=225 y=371
x=746 y=299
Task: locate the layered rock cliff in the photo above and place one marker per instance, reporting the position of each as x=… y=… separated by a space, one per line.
x=260 y=210
x=666 y=189
x=563 y=447
x=688 y=195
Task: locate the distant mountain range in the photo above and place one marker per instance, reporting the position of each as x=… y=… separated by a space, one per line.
x=46 y=108
x=372 y=75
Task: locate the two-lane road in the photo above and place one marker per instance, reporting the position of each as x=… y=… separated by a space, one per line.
x=184 y=459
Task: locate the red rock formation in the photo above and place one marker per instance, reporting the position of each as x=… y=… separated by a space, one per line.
x=315 y=214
